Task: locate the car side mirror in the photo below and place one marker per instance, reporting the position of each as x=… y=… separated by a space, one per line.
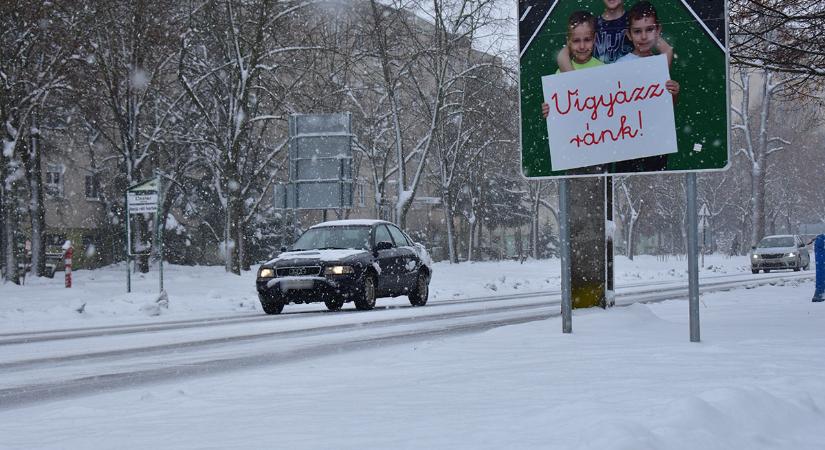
x=801 y=245
x=753 y=247
x=383 y=245
x=283 y=249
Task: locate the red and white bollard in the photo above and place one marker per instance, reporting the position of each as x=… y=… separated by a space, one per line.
x=67 y=261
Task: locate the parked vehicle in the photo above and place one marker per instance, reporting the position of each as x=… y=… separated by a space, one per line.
x=787 y=251
x=346 y=261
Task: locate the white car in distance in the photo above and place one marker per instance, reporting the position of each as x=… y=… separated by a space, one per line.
x=785 y=251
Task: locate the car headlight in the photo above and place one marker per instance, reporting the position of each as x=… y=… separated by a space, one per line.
x=266 y=273
x=755 y=256
x=791 y=255
x=338 y=270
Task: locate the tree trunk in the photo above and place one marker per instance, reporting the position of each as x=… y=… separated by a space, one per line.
x=479 y=239
x=471 y=239
x=758 y=229
x=243 y=255
x=37 y=213
x=7 y=207
x=448 y=218
x=10 y=250
x=236 y=233
x=534 y=224
x=630 y=243
x=760 y=163
x=227 y=238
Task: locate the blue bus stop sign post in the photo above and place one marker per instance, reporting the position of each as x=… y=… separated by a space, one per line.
x=819 y=249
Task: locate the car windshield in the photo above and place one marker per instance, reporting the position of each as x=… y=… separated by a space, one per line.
x=779 y=241
x=338 y=237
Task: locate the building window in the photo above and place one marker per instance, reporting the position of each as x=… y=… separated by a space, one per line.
x=92 y=187
x=362 y=194
x=54 y=180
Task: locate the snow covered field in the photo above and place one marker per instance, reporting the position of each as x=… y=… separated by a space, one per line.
x=627 y=378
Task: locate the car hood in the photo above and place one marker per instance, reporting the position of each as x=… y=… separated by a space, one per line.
x=313 y=256
x=771 y=250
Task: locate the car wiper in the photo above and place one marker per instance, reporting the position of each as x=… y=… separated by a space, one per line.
x=331 y=248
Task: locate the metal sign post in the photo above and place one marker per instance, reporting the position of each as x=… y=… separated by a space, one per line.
x=158 y=229
x=128 y=244
x=693 y=260
x=564 y=243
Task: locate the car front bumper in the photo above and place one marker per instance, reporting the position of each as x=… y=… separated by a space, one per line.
x=775 y=263
x=308 y=289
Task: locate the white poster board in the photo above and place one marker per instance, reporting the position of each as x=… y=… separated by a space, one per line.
x=609 y=113
x=142 y=203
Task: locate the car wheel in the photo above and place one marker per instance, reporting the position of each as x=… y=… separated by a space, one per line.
x=334 y=304
x=767 y=270
x=754 y=270
x=272 y=305
x=418 y=296
x=796 y=269
x=366 y=301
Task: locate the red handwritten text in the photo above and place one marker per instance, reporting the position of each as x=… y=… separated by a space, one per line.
x=625 y=131
x=594 y=103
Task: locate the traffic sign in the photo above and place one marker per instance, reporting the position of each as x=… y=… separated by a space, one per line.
x=143 y=197
x=320 y=162
x=142 y=203
x=695 y=29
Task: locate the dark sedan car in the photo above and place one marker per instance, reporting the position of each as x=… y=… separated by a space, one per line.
x=346 y=261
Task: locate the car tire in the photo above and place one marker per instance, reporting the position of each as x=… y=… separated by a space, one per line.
x=272 y=305
x=366 y=300
x=419 y=294
x=755 y=271
x=767 y=270
x=334 y=304
x=797 y=269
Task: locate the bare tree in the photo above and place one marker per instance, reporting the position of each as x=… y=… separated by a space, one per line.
x=236 y=67
x=420 y=74
x=781 y=36
x=131 y=64
x=37 y=40
x=629 y=208
x=758 y=143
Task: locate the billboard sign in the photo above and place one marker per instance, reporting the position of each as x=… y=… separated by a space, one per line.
x=320 y=162
x=618 y=112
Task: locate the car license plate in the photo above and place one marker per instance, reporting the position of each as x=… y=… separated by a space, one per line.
x=296 y=284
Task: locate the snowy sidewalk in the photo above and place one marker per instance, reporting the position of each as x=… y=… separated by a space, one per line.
x=627 y=378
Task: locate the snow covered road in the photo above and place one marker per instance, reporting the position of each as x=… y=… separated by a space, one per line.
x=74 y=362
x=627 y=378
